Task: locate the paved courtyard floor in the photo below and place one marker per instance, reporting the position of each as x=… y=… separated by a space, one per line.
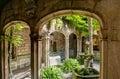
x=26 y=74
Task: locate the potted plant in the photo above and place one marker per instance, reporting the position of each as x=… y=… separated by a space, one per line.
x=51 y=73
x=85 y=73
x=80 y=58
x=69 y=65
x=88 y=72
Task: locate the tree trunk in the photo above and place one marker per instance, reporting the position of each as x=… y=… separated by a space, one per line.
x=9 y=61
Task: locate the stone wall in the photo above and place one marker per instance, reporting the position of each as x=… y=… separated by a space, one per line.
x=22 y=52
x=106 y=11
x=25 y=46
x=20 y=62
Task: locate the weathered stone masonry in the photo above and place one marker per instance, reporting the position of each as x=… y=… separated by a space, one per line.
x=106 y=11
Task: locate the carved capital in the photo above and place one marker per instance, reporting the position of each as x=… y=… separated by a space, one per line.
x=46 y=36
x=104 y=35
x=35 y=36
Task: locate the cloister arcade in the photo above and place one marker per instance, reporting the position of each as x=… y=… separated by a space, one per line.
x=63 y=43
x=40 y=12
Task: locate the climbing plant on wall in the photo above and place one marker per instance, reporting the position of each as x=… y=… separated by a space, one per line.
x=13 y=40
x=80 y=23
x=57 y=22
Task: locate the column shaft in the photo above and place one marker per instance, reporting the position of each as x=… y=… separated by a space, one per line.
x=47 y=49
x=66 y=48
x=35 y=57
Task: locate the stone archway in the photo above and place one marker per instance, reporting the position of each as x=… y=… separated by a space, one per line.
x=21 y=56
x=57 y=46
x=57 y=42
x=66 y=12
x=15 y=9
x=72 y=45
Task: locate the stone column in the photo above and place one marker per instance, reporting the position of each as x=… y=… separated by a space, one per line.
x=66 y=48
x=79 y=46
x=103 y=58
x=1 y=69
x=39 y=56
x=47 y=49
x=35 y=57
x=104 y=54
x=3 y=61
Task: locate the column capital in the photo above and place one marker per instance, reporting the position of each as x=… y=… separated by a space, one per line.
x=104 y=34
x=67 y=38
x=35 y=36
x=46 y=36
x=78 y=37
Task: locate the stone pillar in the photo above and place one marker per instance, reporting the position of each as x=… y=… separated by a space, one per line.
x=46 y=49
x=3 y=62
x=39 y=56
x=104 y=58
x=79 y=45
x=1 y=69
x=66 y=48
x=113 y=52
x=104 y=54
x=35 y=56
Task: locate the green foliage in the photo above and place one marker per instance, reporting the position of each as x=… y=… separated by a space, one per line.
x=80 y=59
x=89 y=56
x=86 y=71
x=51 y=73
x=80 y=23
x=69 y=65
x=77 y=22
x=95 y=24
x=18 y=27
x=57 y=22
x=10 y=34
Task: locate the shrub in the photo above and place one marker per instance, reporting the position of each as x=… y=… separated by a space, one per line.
x=51 y=73
x=80 y=60
x=86 y=71
x=69 y=65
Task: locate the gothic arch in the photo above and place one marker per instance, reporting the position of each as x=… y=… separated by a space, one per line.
x=73 y=45
x=5 y=44
x=45 y=19
x=24 y=24
x=59 y=32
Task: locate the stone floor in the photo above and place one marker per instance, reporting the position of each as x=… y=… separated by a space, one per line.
x=26 y=74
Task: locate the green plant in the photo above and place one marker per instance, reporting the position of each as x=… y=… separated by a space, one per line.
x=80 y=59
x=85 y=73
x=51 y=73
x=69 y=65
x=13 y=40
x=88 y=56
